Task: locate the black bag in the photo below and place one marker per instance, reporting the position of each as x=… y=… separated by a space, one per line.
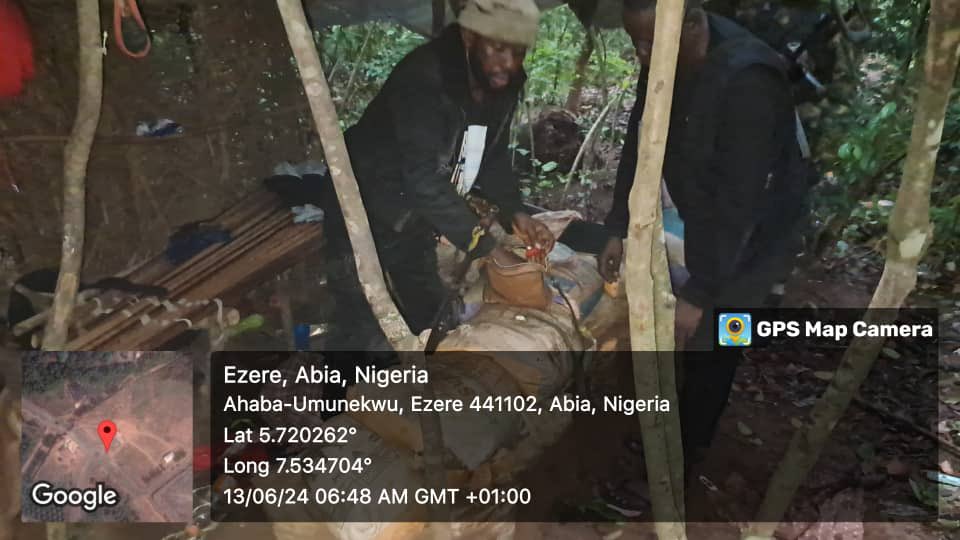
x=804 y=34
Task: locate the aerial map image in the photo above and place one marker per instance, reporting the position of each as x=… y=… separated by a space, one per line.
x=107 y=437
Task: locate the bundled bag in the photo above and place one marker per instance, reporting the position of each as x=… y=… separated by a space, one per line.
x=516 y=282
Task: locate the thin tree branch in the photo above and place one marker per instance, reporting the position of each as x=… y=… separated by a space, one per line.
x=349 y=90
x=587 y=140
x=580 y=72
x=344 y=180
x=909 y=235
x=75 y=159
x=649 y=295
x=369 y=270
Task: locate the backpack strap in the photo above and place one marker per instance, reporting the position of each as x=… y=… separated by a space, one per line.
x=802 y=140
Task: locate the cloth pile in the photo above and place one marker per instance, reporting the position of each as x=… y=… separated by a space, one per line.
x=16 y=50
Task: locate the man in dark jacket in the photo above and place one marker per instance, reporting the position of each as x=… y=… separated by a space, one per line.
x=735 y=172
x=415 y=168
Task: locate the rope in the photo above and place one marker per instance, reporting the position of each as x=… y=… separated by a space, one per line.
x=123 y=9
x=589 y=341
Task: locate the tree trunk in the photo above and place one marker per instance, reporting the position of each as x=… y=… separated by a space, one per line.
x=358 y=228
x=649 y=294
x=348 y=194
x=909 y=234
x=76 y=154
x=580 y=72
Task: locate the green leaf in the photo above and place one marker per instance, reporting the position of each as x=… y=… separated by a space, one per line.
x=844 y=152
x=888 y=110
x=549 y=166
x=523 y=151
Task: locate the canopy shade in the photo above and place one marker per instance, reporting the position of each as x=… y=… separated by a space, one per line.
x=418 y=14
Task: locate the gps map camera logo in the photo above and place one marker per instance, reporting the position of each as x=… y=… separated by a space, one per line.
x=735 y=330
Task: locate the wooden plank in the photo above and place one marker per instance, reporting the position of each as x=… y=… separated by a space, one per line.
x=265 y=242
x=279 y=251
x=177 y=284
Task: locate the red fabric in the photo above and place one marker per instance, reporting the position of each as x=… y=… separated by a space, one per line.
x=16 y=50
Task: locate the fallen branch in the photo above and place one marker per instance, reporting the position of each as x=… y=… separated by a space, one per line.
x=75 y=159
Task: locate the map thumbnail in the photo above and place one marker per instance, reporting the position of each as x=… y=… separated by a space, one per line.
x=75 y=470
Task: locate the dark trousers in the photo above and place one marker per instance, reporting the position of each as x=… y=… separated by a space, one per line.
x=707 y=372
x=409 y=262
x=705 y=382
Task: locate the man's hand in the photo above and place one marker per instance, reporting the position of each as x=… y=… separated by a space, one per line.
x=609 y=261
x=686 y=320
x=532 y=232
x=504 y=257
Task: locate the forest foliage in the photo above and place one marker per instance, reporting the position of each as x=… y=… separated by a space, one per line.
x=859 y=131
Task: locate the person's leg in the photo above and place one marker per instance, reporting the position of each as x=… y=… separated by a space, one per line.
x=353 y=325
x=709 y=371
x=410 y=262
x=707 y=380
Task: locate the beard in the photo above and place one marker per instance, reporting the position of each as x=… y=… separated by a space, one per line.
x=475 y=64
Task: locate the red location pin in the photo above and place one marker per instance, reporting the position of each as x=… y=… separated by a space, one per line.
x=107 y=430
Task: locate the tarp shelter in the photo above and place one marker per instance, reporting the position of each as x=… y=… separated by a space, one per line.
x=418 y=14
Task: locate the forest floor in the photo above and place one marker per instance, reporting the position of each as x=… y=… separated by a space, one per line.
x=875 y=464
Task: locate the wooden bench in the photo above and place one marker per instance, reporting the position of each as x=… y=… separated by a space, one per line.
x=265 y=241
